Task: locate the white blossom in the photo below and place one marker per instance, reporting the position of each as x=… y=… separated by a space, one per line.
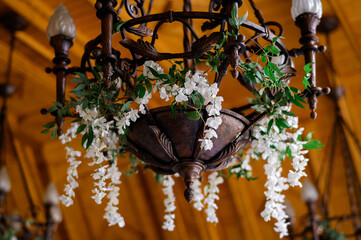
x=273 y=147
x=211 y=191
x=169 y=203
x=151 y=64
x=198 y=195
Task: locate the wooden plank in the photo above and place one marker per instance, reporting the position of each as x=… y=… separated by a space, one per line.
x=34 y=44
x=347 y=26
x=38 y=14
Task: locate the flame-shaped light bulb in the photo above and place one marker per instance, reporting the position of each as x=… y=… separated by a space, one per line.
x=61 y=23
x=306 y=6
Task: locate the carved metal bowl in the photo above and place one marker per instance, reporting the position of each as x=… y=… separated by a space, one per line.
x=169 y=143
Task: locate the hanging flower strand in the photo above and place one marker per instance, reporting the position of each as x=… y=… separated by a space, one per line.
x=169 y=203
x=211 y=191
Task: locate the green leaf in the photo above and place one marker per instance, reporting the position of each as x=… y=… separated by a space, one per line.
x=117 y=26
x=305 y=82
x=267 y=100
x=274 y=67
x=84 y=139
x=82 y=76
x=297 y=103
x=298 y=98
x=234 y=12
x=133 y=159
x=288 y=113
x=275 y=39
x=250 y=77
x=45 y=131
x=295 y=90
x=140 y=78
x=76 y=80
x=309 y=136
x=270 y=124
x=142 y=91
x=313 y=144
x=308 y=68
x=78 y=88
x=49 y=125
x=289 y=94
x=193 y=115
x=53 y=133
x=58 y=104
x=282 y=123
x=232 y=22
x=289 y=152
x=80 y=128
x=159 y=178
x=154 y=72
x=90 y=137
x=76 y=120
x=52 y=109
x=275 y=51
x=126 y=106
x=264 y=59
x=299 y=138
x=173 y=106
x=242 y=19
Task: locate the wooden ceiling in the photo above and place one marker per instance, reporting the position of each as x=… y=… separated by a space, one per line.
x=141 y=199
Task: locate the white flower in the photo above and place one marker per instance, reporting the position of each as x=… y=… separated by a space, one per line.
x=163 y=94
x=98 y=195
x=206 y=144
x=198 y=195
x=151 y=64
x=214 y=122
x=145 y=99
x=210 y=133
x=169 y=203
x=272 y=147
x=211 y=191
x=181 y=97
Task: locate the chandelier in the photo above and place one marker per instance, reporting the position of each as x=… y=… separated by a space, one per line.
x=13 y=226
x=193 y=134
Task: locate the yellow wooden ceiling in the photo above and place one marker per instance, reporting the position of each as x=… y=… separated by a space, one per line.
x=141 y=200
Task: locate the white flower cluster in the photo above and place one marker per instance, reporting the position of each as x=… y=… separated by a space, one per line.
x=103 y=149
x=193 y=83
x=273 y=148
x=72 y=173
x=198 y=195
x=211 y=191
x=169 y=203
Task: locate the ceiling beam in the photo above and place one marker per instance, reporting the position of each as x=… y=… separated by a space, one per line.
x=35 y=45
x=347 y=26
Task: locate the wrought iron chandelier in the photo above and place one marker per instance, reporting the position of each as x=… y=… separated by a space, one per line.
x=13 y=226
x=176 y=139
